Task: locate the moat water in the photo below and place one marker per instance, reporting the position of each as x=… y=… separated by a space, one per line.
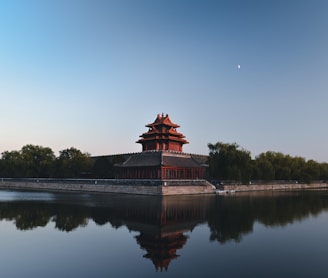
x=276 y=234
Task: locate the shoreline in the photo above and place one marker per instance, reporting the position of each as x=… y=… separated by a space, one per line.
x=275 y=187
x=145 y=186
x=122 y=186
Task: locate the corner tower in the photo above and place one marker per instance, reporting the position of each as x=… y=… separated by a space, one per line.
x=162 y=136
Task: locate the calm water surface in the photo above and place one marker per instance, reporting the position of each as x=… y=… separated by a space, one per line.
x=281 y=234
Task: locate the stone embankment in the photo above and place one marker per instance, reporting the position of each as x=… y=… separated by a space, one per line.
x=141 y=187
x=145 y=187
x=283 y=186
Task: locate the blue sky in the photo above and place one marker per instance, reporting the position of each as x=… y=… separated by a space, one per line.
x=92 y=74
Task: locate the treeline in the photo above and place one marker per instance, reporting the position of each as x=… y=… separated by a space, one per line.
x=41 y=162
x=231 y=162
x=226 y=162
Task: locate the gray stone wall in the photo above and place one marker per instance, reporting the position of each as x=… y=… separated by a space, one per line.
x=265 y=187
x=142 y=187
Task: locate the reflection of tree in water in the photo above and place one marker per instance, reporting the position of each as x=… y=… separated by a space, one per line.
x=68 y=218
x=26 y=217
x=234 y=216
x=288 y=208
x=29 y=215
x=161 y=222
x=228 y=217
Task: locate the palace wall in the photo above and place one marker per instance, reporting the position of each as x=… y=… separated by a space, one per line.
x=141 y=187
x=266 y=187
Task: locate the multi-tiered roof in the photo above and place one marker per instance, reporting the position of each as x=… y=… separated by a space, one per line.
x=162 y=156
x=162 y=135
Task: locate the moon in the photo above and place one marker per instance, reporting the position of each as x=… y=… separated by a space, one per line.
x=238 y=67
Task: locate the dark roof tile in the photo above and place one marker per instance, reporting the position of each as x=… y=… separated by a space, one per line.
x=156 y=159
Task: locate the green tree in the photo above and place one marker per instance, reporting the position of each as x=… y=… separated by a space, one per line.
x=37 y=161
x=324 y=171
x=263 y=169
x=310 y=172
x=284 y=167
x=274 y=163
x=297 y=164
x=12 y=164
x=72 y=163
x=229 y=162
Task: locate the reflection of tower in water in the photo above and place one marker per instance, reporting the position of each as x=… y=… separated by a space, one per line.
x=162 y=226
x=162 y=223
x=161 y=249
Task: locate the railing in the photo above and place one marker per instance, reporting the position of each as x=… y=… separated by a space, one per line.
x=81 y=181
x=144 y=182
